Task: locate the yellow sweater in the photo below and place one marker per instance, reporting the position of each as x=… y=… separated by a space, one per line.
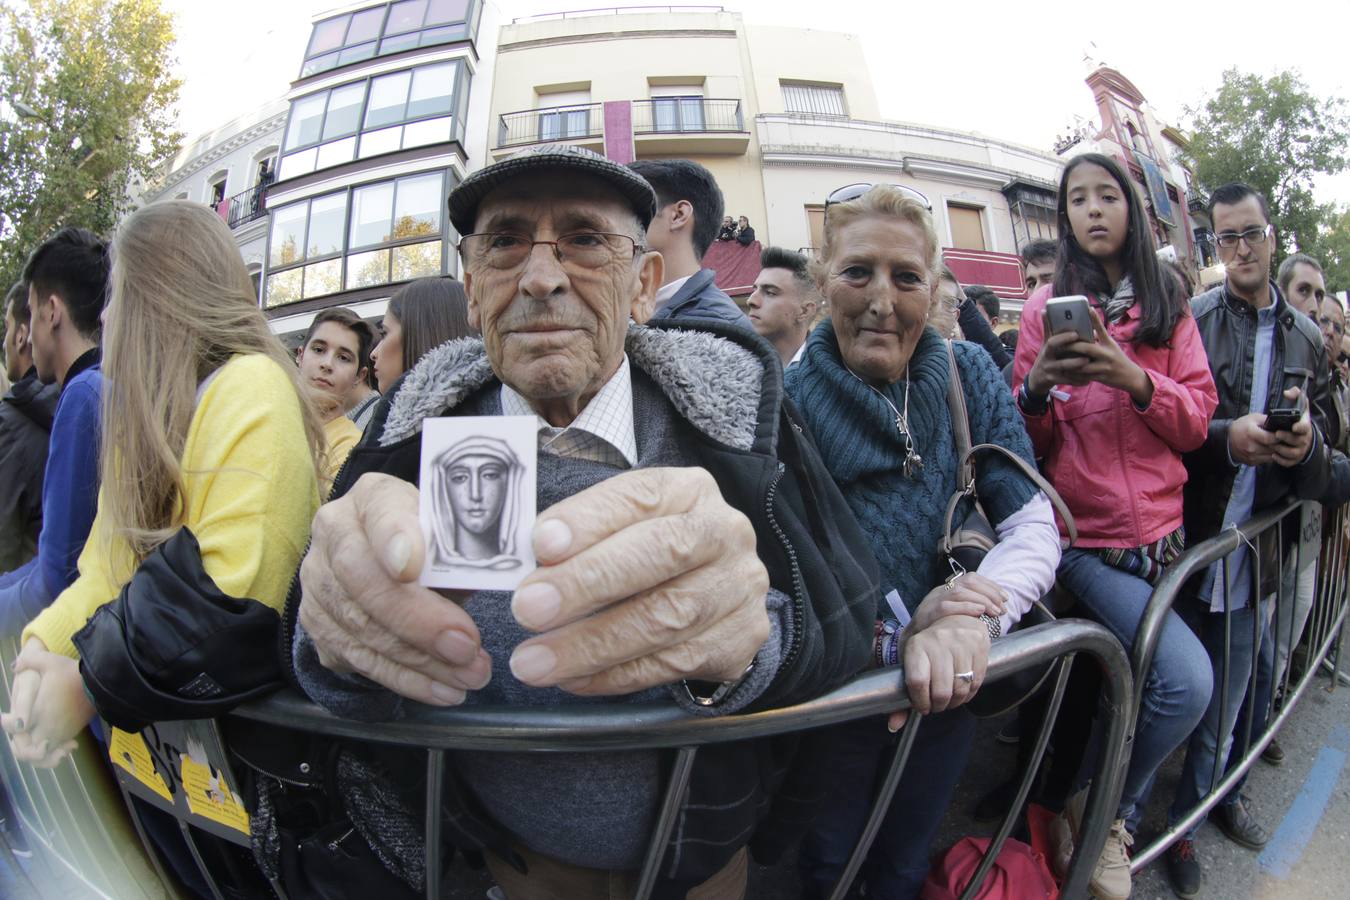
x=342 y=435
x=251 y=493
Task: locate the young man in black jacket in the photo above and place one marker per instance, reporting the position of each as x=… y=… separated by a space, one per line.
x=1263 y=355
x=26 y=413
x=694 y=549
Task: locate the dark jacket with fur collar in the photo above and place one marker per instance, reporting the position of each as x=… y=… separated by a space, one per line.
x=727 y=385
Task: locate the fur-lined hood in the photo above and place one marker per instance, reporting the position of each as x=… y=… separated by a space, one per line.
x=717 y=378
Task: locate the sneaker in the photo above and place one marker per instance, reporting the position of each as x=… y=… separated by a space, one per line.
x=1273 y=754
x=1237 y=821
x=1111 y=877
x=1183 y=869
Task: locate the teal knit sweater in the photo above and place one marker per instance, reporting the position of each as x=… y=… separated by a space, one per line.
x=855 y=431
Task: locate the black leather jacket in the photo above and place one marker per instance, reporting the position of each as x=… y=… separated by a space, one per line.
x=1228 y=329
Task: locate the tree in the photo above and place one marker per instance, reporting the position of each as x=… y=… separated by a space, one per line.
x=1333 y=250
x=86 y=97
x=1275 y=135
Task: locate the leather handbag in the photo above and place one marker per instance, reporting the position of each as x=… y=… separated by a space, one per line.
x=968 y=536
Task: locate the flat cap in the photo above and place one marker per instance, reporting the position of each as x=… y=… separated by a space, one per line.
x=564 y=159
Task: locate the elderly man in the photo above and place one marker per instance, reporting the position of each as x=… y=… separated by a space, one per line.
x=692 y=549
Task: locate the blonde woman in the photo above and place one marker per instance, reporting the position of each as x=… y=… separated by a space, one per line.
x=209 y=461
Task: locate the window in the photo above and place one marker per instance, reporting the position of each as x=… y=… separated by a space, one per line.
x=677 y=107
x=368 y=117
x=814 y=99
x=369 y=235
x=216 y=189
x=564 y=114
x=967 y=224
x=388 y=28
x=815 y=222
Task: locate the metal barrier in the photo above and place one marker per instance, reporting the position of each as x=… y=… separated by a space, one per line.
x=1323 y=631
x=616 y=728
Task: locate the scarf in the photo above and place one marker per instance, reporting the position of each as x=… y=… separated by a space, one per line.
x=1120 y=302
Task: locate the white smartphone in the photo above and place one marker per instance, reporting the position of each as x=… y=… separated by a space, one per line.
x=1071 y=314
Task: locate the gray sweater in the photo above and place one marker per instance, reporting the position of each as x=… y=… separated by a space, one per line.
x=587 y=809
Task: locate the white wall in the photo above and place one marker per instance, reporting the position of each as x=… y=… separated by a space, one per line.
x=233 y=147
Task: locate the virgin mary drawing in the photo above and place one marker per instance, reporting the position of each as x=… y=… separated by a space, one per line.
x=475 y=490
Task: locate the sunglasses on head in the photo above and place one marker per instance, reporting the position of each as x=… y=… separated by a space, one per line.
x=854 y=191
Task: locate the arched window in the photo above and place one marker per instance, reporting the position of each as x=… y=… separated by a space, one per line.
x=216 y=188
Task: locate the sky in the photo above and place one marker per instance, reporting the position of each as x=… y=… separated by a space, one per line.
x=1010 y=70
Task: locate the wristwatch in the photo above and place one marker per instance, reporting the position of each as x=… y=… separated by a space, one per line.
x=719 y=693
x=994 y=626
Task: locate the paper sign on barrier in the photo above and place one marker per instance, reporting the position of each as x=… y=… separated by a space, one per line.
x=130 y=754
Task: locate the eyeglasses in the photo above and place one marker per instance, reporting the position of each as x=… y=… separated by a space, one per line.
x=582 y=250
x=854 y=191
x=1336 y=327
x=1253 y=236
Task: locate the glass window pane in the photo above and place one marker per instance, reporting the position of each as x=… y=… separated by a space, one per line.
x=691 y=114
x=365 y=269
x=283 y=287
x=344 y=110
x=427 y=131
x=306 y=121
x=323 y=278
x=371 y=208
x=301 y=163
x=439 y=11
x=433 y=89
x=443 y=35
x=318 y=64
x=388 y=96
x=288 y=235
x=336 y=153
x=398 y=42
x=357 y=53
x=326 y=215
x=327 y=35
x=406 y=16
x=365 y=26
x=384 y=141
x=416 y=261
x=417 y=209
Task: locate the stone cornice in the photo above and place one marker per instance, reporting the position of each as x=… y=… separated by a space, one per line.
x=218 y=152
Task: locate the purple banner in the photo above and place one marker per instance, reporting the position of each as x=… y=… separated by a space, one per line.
x=619 y=131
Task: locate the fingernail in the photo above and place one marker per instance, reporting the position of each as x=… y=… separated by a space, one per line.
x=533 y=662
x=892 y=728
x=479 y=672
x=456 y=647
x=397 y=553
x=552 y=538
x=536 y=605
x=446 y=694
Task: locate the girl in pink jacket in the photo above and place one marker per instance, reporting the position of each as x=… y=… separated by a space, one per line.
x=1109 y=419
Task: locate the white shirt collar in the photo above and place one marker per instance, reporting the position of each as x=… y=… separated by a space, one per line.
x=670 y=289
x=796 y=357
x=608 y=416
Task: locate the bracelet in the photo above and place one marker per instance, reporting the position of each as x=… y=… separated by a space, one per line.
x=1029 y=402
x=722 y=690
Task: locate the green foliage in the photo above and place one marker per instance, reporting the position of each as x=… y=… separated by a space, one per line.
x=1333 y=250
x=96 y=76
x=1275 y=135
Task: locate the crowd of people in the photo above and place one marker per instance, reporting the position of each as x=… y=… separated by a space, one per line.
x=737 y=510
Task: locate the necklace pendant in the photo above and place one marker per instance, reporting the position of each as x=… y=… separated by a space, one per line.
x=913 y=463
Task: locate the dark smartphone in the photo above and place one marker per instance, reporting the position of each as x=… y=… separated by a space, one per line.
x=1282 y=419
x=1070 y=314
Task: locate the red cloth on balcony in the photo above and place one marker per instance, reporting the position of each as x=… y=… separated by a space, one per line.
x=737 y=267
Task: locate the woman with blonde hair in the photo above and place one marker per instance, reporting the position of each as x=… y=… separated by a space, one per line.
x=209 y=462
x=872 y=386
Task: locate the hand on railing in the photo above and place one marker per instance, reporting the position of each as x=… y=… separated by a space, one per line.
x=48 y=706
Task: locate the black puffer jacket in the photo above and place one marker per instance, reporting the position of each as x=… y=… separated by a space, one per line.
x=25 y=427
x=1228 y=329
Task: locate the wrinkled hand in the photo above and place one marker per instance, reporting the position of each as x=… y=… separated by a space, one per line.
x=1249 y=443
x=1291 y=447
x=48 y=706
x=364 y=610
x=933 y=657
x=970 y=595
x=644 y=579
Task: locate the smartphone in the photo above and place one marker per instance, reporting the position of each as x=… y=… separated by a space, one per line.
x=1071 y=314
x=1282 y=418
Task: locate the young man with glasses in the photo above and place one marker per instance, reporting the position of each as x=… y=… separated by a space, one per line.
x=1263 y=355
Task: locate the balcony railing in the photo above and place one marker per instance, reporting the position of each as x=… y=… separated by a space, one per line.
x=683 y=115
x=247 y=206
x=552 y=123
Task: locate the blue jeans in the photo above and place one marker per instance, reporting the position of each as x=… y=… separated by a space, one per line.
x=1265 y=675
x=1178 y=685
x=1197 y=774
x=860 y=753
